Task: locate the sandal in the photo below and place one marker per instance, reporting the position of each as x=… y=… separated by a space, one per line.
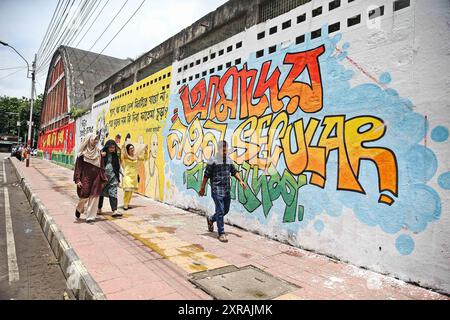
x=223 y=238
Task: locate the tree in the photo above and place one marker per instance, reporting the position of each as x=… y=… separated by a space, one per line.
x=11 y=108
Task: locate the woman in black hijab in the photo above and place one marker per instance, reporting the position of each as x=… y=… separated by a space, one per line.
x=112 y=169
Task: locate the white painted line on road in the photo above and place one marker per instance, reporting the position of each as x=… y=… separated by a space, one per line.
x=10 y=244
x=4 y=172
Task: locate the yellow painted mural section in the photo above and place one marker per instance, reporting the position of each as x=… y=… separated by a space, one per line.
x=139 y=112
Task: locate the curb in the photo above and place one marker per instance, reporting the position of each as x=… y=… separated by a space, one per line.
x=79 y=281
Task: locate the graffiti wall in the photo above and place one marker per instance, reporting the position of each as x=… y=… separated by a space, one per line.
x=94 y=122
x=138 y=113
x=58 y=140
x=340 y=152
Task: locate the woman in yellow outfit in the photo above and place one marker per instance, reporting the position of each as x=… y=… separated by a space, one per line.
x=132 y=157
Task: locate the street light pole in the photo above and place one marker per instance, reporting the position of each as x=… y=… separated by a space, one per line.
x=30 y=123
x=33 y=71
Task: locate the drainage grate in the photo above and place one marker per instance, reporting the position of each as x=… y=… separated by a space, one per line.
x=246 y=283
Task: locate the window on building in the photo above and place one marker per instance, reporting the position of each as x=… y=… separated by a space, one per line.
x=221 y=52
x=273 y=30
x=213 y=55
x=237 y=61
x=185 y=67
x=205 y=59
x=191 y=65
x=300 y=39
x=301 y=18
x=316 y=33
x=259 y=53
x=401 y=4
x=228 y=64
x=197 y=62
x=229 y=48
x=353 y=20
x=179 y=69
x=334 y=27
x=197 y=76
x=317 y=11
x=203 y=73
x=286 y=24
x=375 y=13
x=211 y=70
x=272 y=49
x=190 y=78
x=261 y=35
x=219 y=68
x=334 y=4
x=239 y=44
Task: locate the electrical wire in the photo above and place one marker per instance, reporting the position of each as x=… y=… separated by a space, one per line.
x=117 y=33
x=12 y=73
x=95 y=19
x=55 y=31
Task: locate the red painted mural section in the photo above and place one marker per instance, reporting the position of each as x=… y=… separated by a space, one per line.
x=60 y=139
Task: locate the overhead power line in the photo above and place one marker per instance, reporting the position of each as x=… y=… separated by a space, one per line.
x=62 y=34
x=107 y=27
x=12 y=73
x=95 y=19
x=58 y=26
x=117 y=33
x=50 y=25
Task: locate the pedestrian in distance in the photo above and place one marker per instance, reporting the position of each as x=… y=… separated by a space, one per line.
x=111 y=164
x=219 y=170
x=132 y=157
x=89 y=176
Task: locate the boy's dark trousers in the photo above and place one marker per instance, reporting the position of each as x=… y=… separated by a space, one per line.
x=222 y=205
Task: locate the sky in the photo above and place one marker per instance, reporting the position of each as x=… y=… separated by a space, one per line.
x=24 y=23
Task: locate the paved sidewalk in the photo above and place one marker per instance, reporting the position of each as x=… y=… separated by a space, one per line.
x=150 y=252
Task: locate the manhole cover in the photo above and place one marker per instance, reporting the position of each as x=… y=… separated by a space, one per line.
x=246 y=283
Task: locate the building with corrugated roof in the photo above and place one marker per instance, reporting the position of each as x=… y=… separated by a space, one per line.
x=72 y=75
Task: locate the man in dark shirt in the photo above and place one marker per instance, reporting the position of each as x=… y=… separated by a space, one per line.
x=219 y=170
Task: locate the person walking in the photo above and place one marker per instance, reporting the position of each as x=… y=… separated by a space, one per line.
x=89 y=177
x=219 y=170
x=132 y=158
x=111 y=164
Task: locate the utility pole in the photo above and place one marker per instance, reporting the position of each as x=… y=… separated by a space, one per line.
x=30 y=123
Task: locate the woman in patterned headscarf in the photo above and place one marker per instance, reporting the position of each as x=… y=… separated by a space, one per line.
x=112 y=170
x=132 y=157
x=89 y=176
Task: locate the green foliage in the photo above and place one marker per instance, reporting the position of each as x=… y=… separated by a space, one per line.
x=76 y=112
x=11 y=108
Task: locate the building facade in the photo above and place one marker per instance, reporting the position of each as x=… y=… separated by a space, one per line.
x=71 y=77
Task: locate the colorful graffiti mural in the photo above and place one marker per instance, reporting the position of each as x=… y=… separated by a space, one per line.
x=301 y=133
x=139 y=112
x=61 y=140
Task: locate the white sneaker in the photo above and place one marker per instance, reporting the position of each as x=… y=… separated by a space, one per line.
x=117 y=214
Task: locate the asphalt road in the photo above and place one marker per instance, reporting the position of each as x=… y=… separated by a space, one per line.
x=28 y=267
